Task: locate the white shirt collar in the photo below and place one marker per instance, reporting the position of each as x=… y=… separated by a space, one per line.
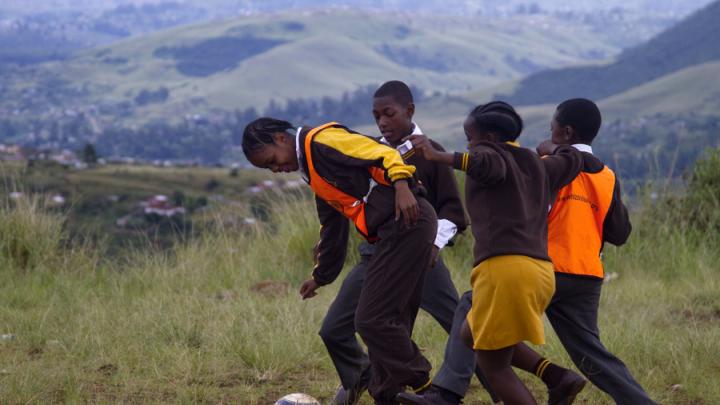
x=583 y=148
x=416 y=131
x=298 y=152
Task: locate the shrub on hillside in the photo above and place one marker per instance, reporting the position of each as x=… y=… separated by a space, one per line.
x=29 y=236
x=702 y=201
x=696 y=210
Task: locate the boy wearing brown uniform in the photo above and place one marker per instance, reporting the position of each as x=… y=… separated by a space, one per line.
x=393 y=109
x=585 y=214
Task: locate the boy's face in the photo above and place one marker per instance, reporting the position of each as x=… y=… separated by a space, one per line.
x=561 y=135
x=393 y=119
x=280 y=156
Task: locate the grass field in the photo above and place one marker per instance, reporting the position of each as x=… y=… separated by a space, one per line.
x=217 y=319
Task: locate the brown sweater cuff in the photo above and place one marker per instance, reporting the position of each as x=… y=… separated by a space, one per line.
x=319 y=280
x=461 y=160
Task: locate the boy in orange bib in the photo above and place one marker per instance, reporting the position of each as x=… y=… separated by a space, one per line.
x=585 y=214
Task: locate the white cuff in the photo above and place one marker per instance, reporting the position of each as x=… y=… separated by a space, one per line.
x=445 y=231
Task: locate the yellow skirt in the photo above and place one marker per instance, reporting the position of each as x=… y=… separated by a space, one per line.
x=510 y=294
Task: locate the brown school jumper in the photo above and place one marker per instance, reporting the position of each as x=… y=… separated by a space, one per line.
x=392 y=289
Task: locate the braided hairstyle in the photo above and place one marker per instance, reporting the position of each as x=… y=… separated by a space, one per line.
x=498 y=117
x=260 y=132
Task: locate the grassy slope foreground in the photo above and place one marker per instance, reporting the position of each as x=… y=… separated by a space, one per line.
x=217 y=319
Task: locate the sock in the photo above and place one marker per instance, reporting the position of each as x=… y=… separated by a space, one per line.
x=548 y=372
x=448 y=396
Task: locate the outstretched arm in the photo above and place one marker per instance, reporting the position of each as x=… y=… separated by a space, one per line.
x=562 y=164
x=483 y=163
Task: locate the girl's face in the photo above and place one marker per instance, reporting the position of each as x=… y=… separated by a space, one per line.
x=279 y=156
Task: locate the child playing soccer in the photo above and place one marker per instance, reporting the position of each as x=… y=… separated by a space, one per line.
x=507 y=194
x=563 y=384
x=393 y=109
x=357 y=178
x=586 y=213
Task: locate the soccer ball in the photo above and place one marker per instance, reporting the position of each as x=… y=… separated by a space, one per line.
x=297 y=399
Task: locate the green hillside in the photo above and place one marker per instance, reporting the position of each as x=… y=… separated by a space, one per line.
x=694 y=89
x=692 y=41
x=691 y=91
x=249 y=61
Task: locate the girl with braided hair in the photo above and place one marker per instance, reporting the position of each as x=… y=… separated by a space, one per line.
x=507 y=193
x=357 y=178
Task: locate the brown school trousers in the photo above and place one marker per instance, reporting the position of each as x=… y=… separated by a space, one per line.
x=389 y=303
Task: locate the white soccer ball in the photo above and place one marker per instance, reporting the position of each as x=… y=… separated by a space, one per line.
x=297 y=399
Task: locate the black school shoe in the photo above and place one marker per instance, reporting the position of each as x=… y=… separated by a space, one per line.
x=349 y=397
x=429 y=397
x=566 y=390
x=352 y=396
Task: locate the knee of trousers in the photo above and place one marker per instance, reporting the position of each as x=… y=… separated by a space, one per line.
x=330 y=332
x=366 y=325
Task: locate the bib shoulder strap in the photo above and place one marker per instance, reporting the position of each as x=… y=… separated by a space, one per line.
x=308 y=142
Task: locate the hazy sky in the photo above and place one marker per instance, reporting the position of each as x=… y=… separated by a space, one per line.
x=669 y=5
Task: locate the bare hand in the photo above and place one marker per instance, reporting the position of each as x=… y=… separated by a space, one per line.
x=307 y=289
x=405 y=203
x=423 y=146
x=546 y=147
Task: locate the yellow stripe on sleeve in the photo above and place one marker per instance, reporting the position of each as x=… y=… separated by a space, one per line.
x=541 y=370
x=364 y=148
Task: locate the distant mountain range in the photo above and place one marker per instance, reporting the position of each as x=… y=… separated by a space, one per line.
x=174 y=93
x=33 y=31
x=693 y=41
x=660 y=101
x=249 y=61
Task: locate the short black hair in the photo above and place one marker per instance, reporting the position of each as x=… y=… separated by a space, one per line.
x=259 y=133
x=582 y=115
x=500 y=118
x=396 y=89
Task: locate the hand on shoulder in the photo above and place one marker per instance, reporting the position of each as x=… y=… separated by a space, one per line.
x=547 y=147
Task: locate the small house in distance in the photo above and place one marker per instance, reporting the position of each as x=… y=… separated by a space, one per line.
x=161 y=205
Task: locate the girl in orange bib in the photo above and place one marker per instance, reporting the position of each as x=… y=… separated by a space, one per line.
x=358 y=180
